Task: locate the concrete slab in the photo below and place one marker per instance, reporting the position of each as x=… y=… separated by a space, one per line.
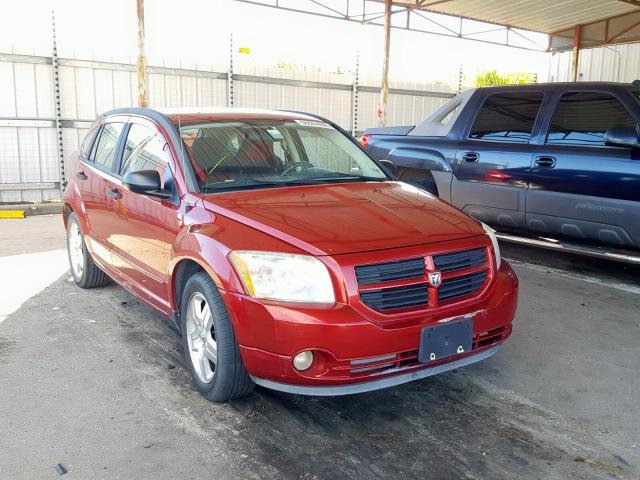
x=31 y=234
x=87 y=382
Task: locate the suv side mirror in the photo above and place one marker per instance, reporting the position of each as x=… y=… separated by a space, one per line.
x=622 y=137
x=389 y=166
x=145 y=182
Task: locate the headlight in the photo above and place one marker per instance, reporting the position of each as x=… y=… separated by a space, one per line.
x=283 y=276
x=496 y=248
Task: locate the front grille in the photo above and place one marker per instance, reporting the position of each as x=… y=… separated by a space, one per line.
x=459 y=286
x=385 y=272
x=396 y=297
x=449 y=262
x=408 y=280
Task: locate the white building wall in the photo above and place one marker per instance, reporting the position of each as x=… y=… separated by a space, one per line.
x=617 y=63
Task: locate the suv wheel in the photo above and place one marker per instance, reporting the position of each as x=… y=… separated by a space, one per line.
x=85 y=273
x=210 y=349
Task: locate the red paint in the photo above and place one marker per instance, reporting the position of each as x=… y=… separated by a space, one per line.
x=344 y=225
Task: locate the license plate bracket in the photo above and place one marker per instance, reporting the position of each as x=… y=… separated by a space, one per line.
x=445 y=340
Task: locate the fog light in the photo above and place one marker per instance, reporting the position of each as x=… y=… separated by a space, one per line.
x=303 y=360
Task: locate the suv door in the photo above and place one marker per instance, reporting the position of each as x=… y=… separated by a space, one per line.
x=580 y=187
x=139 y=229
x=493 y=159
x=98 y=170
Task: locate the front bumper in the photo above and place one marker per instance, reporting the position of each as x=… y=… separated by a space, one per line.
x=392 y=378
x=353 y=354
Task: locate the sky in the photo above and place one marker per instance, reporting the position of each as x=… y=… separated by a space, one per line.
x=195 y=33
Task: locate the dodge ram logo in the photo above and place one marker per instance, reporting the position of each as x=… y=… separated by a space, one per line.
x=435 y=279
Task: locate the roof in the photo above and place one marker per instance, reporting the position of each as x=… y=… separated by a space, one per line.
x=188 y=115
x=197 y=115
x=603 y=21
x=536 y=15
x=558 y=85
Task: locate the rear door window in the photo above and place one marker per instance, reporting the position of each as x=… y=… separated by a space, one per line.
x=507 y=117
x=106 y=149
x=582 y=118
x=144 y=150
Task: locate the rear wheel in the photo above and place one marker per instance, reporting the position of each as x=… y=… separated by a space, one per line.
x=84 y=271
x=210 y=349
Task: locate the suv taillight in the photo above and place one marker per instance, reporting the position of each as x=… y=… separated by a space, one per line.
x=364 y=140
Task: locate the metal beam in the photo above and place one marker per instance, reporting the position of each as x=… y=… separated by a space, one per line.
x=56 y=103
x=370 y=18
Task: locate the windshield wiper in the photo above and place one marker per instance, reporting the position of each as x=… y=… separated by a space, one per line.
x=249 y=183
x=342 y=178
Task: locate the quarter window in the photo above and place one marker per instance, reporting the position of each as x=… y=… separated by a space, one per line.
x=507 y=117
x=87 y=143
x=583 y=118
x=144 y=150
x=105 y=151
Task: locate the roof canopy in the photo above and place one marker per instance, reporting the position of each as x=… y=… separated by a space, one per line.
x=569 y=23
x=599 y=22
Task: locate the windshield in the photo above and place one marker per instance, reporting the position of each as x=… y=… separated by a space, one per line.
x=272 y=153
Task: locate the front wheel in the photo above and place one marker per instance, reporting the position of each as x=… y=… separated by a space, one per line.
x=84 y=271
x=210 y=349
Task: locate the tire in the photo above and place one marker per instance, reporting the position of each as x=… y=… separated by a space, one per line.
x=419 y=178
x=224 y=378
x=85 y=272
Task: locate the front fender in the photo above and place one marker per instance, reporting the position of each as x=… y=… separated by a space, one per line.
x=421 y=158
x=209 y=254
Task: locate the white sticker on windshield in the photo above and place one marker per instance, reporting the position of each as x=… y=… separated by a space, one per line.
x=313 y=123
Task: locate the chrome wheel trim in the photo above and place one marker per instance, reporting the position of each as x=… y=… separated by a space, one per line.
x=203 y=348
x=76 y=251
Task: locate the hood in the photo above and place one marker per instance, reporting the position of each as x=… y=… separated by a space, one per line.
x=334 y=219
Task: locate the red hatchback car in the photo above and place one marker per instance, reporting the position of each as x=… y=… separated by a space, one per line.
x=286 y=256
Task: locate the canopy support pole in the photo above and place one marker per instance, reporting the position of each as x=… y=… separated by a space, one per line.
x=384 y=94
x=577 y=33
x=143 y=94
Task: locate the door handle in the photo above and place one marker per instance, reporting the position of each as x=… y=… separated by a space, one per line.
x=545 y=162
x=471 y=157
x=114 y=193
x=81 y=175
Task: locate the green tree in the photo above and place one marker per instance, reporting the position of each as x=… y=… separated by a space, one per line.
x=489 y=78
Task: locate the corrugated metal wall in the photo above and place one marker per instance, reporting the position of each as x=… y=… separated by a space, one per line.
x=617 y=63
x=29 y=166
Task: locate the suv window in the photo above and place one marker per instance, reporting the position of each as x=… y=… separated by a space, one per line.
x=105 y=152
x=582 y=118
x=144 y=150
x=87 y=143
x=507 y=117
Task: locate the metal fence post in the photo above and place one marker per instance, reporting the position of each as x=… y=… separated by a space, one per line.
x=230 y=74
x=354 y=98
x=460 y=77
x=56 y=101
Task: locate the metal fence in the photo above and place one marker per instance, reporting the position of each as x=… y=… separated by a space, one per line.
x=30 y=165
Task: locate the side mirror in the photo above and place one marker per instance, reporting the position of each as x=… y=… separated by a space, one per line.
x=389 y=166
x=145 y=182
x=622 y=137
